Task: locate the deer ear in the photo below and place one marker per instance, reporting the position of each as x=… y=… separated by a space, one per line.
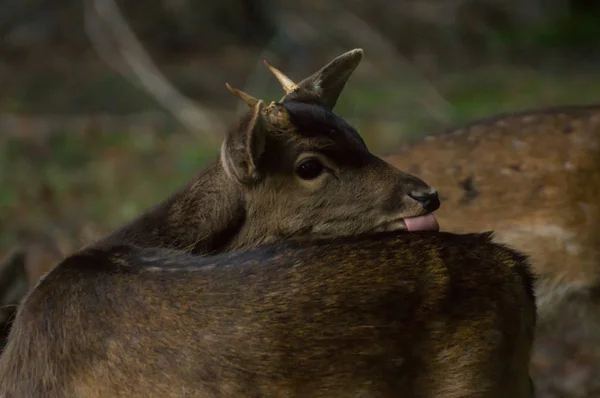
x=324 y=86
x=244 y=146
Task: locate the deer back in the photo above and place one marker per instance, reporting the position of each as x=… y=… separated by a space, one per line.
x=392 y=314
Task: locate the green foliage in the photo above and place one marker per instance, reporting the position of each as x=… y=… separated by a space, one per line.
x=572 y=32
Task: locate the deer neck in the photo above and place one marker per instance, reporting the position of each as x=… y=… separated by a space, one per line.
x=202 y=218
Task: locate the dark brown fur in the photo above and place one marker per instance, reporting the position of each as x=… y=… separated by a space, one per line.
x=534 y=179
x=387 y=315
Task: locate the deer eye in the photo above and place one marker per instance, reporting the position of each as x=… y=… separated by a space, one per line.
x=309 y=169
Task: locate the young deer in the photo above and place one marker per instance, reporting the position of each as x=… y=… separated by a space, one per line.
x=291 y=168
x=534 y=179
x=391 y=314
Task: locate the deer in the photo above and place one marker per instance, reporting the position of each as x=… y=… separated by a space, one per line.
x=383 y=314
x=394 y=309
x=503 y=327
x=290 y=168
x=533 y=177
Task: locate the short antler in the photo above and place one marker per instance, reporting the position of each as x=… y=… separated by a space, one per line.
x=247 y=98
x=288 y=85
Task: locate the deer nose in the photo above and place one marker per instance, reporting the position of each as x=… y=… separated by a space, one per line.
x=429 y=198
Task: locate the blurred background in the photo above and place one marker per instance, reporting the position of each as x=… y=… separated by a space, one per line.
x=89 y=138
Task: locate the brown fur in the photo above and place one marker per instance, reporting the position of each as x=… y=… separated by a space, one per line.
x=20 y=270
x=388 y=315
x=534 y=179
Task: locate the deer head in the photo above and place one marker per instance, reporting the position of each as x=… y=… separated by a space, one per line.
x=289 y=168
x=286 y=168
x=303 y=170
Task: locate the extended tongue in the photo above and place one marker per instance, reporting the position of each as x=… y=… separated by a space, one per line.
x=428 y=222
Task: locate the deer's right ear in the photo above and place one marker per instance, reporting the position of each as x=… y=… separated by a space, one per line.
x=244 y=146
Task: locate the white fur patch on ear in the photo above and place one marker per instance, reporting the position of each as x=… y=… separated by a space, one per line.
x=251 y=138
x=317 y=86
x=225 y=159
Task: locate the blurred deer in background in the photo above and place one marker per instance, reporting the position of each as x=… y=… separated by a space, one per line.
x=534 y=179
x=20 y=269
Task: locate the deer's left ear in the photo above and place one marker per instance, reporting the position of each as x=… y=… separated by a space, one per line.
x=325 y=86
x=244 y=146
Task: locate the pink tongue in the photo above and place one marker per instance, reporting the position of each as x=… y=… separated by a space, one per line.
x=427 y=222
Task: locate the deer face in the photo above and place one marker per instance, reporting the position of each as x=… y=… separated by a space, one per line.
x=305 y=171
